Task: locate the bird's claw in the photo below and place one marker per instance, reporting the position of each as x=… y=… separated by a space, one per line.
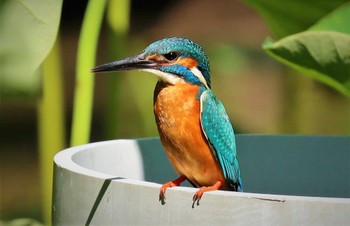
x=162 y=197
x=163 y=190
x=198 y=195
x=170 y=184
x=196 y=198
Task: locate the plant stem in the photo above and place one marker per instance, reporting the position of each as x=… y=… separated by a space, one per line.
x=87 y=46
x=51 y=124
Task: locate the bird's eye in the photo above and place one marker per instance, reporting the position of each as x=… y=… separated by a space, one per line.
x=171 y=56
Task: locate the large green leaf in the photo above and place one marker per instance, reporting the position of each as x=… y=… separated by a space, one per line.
x=28 y=31
x=323 y=55
x=286 y=17
x=338 y=20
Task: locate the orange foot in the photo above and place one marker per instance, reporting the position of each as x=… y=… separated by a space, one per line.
x=170 y=184
x=201 y=191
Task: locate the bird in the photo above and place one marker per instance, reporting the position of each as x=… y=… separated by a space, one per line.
x=194 y=128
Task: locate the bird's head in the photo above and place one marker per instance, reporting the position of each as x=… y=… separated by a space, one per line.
x=173 y=60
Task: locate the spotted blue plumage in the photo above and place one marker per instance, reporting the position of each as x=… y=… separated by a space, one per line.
x=218 y=129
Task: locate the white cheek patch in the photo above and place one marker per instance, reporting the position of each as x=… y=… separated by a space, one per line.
x=164 y=76
x=200 y=76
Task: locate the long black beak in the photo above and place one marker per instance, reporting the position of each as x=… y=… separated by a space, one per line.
x=129 y=63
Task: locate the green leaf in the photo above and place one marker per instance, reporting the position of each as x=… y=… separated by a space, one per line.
x=28 y=31
x=286 y=17
x=338 y=20
x=323 y=55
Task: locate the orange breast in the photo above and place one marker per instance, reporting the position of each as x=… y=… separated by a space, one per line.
x=177 y=112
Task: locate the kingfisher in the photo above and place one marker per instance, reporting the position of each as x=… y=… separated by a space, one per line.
x=193 y=126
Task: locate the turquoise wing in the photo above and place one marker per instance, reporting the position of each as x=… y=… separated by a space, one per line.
x=218 y=130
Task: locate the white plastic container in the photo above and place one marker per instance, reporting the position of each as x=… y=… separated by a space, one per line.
x=288 y=180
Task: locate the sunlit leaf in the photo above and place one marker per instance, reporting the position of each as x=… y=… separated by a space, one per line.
x=338 y=20
x=323 y=55
x=28 y=31
x=286 y=17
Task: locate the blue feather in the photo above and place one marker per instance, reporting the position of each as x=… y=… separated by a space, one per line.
x=183 y=72
x=218 y=129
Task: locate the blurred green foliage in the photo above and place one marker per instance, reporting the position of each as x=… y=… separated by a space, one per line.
x=118 y=19
x=289 y=17
x=322 y=52
x=86 y=57
x=51 y=126
x=321 y=55
x=21 y=222
x=28 y=31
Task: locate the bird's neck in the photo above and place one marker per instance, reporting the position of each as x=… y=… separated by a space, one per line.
x=179 y=91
